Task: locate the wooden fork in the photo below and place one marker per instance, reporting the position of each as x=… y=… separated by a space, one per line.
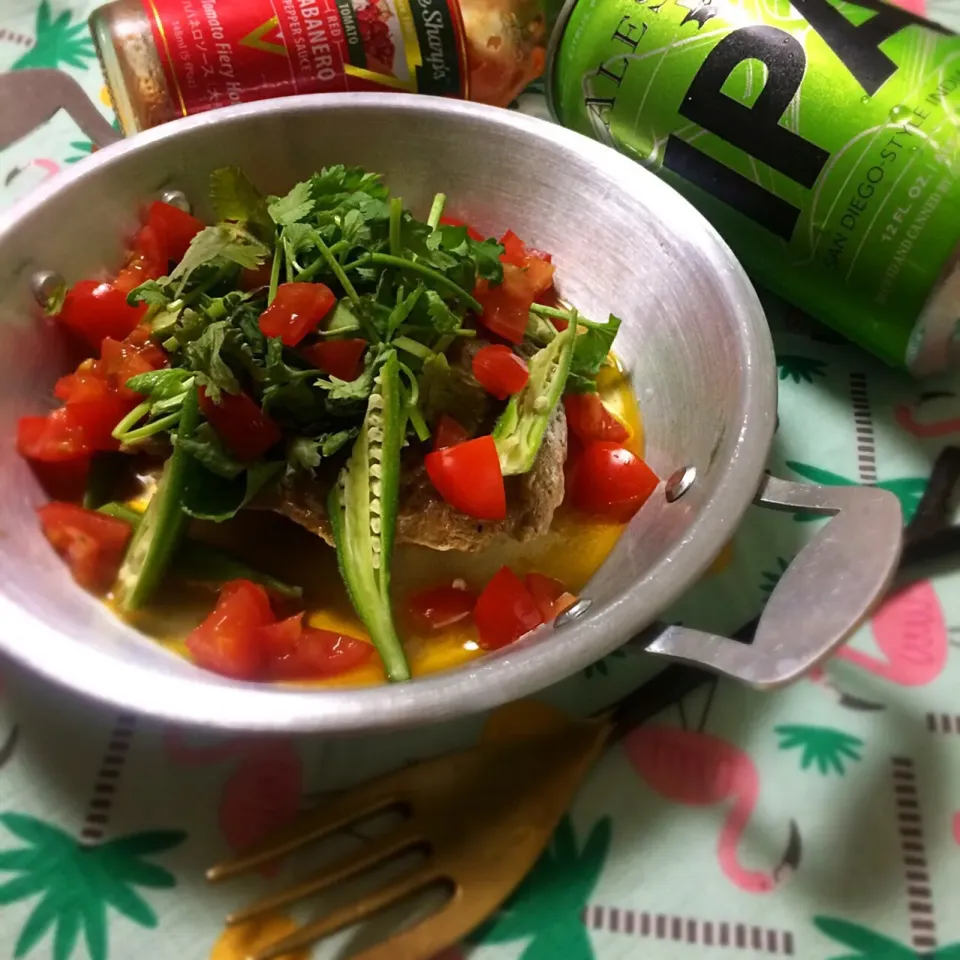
x=483 y=817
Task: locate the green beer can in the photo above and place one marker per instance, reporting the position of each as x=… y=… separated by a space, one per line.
x=820 y=137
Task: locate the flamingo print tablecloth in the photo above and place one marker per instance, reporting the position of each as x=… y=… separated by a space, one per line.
x=820 y=822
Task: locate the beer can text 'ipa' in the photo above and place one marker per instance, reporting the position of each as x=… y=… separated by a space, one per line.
x=820 y=137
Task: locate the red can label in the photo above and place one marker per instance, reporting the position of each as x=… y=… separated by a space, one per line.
x=218 y=52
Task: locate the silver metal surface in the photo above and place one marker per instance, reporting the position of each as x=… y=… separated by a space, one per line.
x=678 y=483
x=177 y=198
x=575 y=610
x=694 y=341
x=44 y=285
x=828 y=590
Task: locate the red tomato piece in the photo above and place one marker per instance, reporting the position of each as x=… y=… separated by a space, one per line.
x=536 y=266
x=506 y=307
x=321 y=653
x=241 y=424
x=95 y=310
x=228 y=641
x=252 y=278
x=468 y=477
x=296 y=311
x=546 y=593
x=147 y=261
x=174 y=228
x=500 y=371
x=339 y=358
x=454 y=222
x=52 y=439
x=81 y=387
x=448 y=433
x=64 y=480
x=590 y=420
x=505 y=611
x=439 y=607
x=92 y=543
x=610 y=481
x=279 y=639
x=97 y=419
x=119 y=361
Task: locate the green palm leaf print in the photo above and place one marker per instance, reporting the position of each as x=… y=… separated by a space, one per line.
x=78 y=883
x=547 y=905
x=58 y=42
x=830 y=749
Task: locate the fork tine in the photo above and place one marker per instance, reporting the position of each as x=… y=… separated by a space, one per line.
x=351 y=913
x=334 y=815
x=340 y=870
x=449 y=925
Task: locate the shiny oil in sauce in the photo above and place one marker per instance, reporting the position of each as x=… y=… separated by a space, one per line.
x=571 y=552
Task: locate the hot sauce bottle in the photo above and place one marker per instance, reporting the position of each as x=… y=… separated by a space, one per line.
x=164 y=59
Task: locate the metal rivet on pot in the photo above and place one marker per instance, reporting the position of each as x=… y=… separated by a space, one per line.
x=45 y=284
x=575 y=610
x=176 y=198
x=679 y=482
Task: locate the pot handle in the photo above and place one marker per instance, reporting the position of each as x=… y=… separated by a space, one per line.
x=825 y=594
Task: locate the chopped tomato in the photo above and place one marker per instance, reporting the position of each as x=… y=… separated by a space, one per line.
x=590 y=420
x=95 y=310
x=296 y=311
x=252 y=278
x=500 y=371
x=550 y=595
x=279 y=639
x=537 y=268
x=320 y=653
x=228 y=641
x=454 y=222
x=121 y=360
x=339 y=358
x=52 y=439
x=468 y=477
x=448 y=433
x=148 y=260
x=97 y=419
x=92 y=543
x=505 y=611
x=174 y=228
x=610 y=481
x=506 y=307
x=63 y=480
x=439 y=607
x=84 y=385
x=242 y=425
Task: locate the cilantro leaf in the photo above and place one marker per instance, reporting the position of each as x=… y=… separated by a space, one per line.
x=216 y=498
x=160 y=384
x=486 y=255
x=305 y=453
x=234 y=197
x=203 y=356
x=443 y=318
x=590 y=351
x=150 y=292
x=296 y=205
x=206 y=447
x=226 y=240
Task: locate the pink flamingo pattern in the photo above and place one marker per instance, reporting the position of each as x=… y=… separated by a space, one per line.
x=699 y=769
x=910 y=631
x=263 y=791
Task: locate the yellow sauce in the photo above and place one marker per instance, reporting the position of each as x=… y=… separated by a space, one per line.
x=571 y=552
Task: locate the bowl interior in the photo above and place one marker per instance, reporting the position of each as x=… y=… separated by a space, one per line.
x=693 y=339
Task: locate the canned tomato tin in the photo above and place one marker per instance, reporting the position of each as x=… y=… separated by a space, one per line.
x=820 y=138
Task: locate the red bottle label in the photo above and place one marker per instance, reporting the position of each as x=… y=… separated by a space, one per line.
x=218 y=52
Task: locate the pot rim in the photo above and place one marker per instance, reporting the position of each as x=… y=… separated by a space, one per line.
x=205 y=699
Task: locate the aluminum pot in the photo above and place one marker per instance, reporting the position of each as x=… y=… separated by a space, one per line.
x=694 y=339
